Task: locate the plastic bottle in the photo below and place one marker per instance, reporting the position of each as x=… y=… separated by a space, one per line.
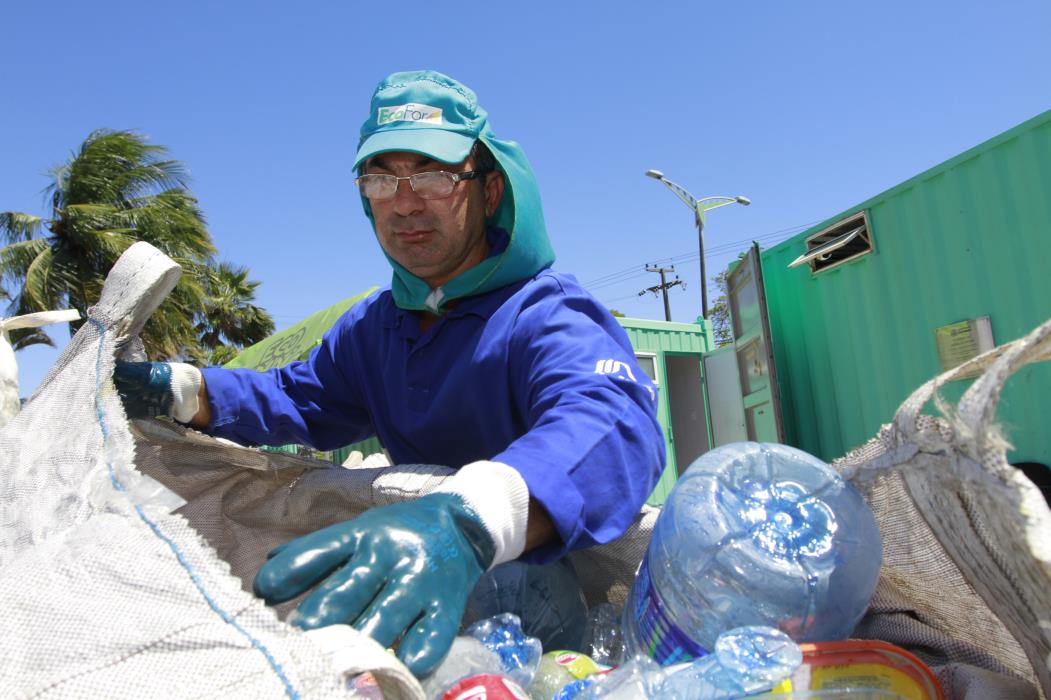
x=557 y=670
x=466 y=658
x=495 y=646
x=746 y=660
x=547 y=598
x=638 y=678
x=574 y=689
x=603 y=636
x=519 y=653
x=485 y=687
x=753 y=534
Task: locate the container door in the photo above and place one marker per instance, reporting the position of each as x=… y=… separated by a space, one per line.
x=686 y=408
x=722 y=385
x=755 y=361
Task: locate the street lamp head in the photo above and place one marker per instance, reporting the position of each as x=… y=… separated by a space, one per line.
x=741 y=199
x=655 y=174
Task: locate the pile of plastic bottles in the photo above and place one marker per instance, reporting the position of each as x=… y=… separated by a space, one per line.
x=758 y=549
x=497 y=658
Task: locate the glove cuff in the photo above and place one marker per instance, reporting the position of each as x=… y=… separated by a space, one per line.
x=498 y=494
x=186 y=385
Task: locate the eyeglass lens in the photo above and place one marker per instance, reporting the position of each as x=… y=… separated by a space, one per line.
x=431 y=185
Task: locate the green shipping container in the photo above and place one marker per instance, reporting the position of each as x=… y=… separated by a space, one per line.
x=939 y=267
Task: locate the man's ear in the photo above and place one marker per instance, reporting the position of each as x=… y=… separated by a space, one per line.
x=494 y=192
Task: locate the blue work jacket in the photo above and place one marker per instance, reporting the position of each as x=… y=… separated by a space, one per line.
x=537 y=375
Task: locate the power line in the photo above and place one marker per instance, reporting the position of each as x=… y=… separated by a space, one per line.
x=617 y=278
x=626 y=296
x=629 y=273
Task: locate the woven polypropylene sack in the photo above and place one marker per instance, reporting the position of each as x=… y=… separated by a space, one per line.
x=110 y=585
x=141 y=538
x=244 y=502
x=966 y=576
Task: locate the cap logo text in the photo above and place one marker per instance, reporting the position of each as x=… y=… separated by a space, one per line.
x=409 y=113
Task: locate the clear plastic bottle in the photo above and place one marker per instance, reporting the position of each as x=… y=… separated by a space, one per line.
x=495 y=646
x=753 y=534
x=519 y=653
x=745 y=661
x=603 y=636
x=466 y=658
x=638 y=678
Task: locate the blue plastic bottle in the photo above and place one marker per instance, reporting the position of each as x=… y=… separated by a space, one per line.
x=753 y=534
x=745 y=661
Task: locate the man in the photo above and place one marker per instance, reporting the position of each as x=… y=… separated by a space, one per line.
x=478 y=357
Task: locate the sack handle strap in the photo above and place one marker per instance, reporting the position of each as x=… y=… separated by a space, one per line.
x=977 y=409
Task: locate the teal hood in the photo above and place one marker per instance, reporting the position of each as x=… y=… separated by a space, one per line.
x=429 y=113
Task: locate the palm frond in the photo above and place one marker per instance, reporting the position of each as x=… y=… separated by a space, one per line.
x=114 y=190
x=24 y=337
x=221 y=355
x=16 y=226
x=228 y=316
x=16 y=258
x=37 y=292
x=152 y=176
x=114 y=166
x=76 y=276
x=172 y=221
x=55 y=192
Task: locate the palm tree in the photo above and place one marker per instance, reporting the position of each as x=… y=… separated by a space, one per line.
x=116 y=190
x=229 y=320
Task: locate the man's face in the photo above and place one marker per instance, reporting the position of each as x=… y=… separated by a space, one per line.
x=434 y=239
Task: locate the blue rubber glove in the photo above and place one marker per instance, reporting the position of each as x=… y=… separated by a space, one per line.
x=402 y=570
x=149 y=389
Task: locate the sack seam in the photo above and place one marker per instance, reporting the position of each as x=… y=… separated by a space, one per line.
x=272 y=661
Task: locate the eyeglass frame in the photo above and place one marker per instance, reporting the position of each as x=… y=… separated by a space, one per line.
x=456 y=177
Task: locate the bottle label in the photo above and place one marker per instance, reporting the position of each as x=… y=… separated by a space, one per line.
x=657 y=634
x=578 y=665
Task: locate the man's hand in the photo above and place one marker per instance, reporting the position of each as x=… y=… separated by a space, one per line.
x=149 y=389
x=397 y=571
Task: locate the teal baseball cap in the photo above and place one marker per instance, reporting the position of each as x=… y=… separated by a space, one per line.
x=429 y=113
x=422 y=112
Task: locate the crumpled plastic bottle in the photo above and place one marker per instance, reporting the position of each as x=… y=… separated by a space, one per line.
x=467 y=657
x=638 y=678
x=753 y=534
x=746 y=660
x=603 y=636
x=519 y=653
x=573 y=690
x=495 y=646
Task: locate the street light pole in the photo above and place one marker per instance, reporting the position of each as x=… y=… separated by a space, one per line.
x=698 y=217
x=699 y=207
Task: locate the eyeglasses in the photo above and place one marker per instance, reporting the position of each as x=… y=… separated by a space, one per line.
x=430 y=185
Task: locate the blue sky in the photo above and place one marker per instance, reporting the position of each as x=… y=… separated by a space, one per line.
x=807 y=108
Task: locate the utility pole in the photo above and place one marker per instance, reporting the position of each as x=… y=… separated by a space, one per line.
x=663 y=287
